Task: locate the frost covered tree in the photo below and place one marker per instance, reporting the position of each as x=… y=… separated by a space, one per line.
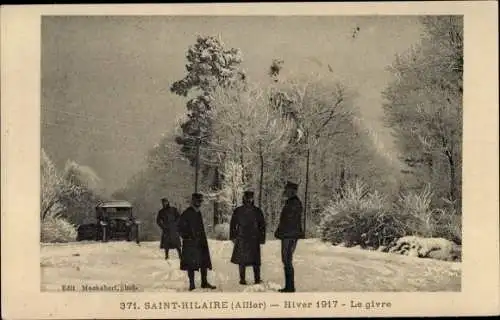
x=424 y=105
x=52 y=187
x=251 y=132
x=320 y=108
x=84 y=193
x=66 y=198
x=210 y=65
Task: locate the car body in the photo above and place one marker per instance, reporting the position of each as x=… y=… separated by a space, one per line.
x=114 y=221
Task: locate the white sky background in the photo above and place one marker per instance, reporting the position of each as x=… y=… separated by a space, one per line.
x=100 y=73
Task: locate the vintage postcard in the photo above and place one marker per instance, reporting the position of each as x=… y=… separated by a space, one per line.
x=250 y=160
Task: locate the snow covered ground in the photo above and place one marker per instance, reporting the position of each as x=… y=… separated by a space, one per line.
x=319 y=268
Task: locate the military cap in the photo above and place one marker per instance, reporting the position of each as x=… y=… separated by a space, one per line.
x=248 y=193
x=164 y=199
x=291 y=185
x=197 y=196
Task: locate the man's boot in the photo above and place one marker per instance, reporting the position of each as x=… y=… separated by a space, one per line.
x=287 y=281
x=191 y=280
x=204 y=281
x=242 y=270
x=256 y=274
x=291 y=279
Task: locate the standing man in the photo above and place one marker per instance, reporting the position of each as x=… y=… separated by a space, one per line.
x=195 y=253
x=248 y=232
x=289 y=231
x=167 y=219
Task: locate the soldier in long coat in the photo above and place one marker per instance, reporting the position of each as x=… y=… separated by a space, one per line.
x=248 y=232
x=167 y=219
x=289 y=231
x=195 y=252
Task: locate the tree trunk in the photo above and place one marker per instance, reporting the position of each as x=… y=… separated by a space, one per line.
x=242 y=160
x=342 y=181
x=306 y=188
x=49 y=206
x=216 y=187
x=453 y=177
x=429 y=161
x=197 y=165
x=261 y=179
x=265 y=208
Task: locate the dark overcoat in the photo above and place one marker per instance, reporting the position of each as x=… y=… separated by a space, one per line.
x=195 y=253
x=290 y=224
x=168 y=219
x=248 y=231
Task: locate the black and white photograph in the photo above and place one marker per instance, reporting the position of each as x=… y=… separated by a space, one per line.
x=249 y=160
x=318 y=153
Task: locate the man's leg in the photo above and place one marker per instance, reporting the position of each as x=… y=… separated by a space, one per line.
x=287 y=250
x=191 y=279
x=166 y=253
x=284 y=245
x=204 y=280
x=242 y=270
x=291 y=270
x=256 y=273
x=179 y=252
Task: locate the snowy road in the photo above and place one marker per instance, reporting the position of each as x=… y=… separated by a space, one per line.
x=319 y=268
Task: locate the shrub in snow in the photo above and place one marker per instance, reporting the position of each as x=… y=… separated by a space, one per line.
x=430 y=222
x=362 y=218
x=435 y=248
x=449 y=226
x=57 y=229
x=221 y=231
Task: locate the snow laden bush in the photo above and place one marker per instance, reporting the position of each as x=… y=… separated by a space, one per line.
x=54 y=227
x=57 y=229
x=449 y=226
x=221 y=231
x=428 y=221
x=67 y=198
x=434 y=248
x=360 y=217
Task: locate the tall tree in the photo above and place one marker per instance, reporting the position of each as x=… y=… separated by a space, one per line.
x=52 y=187
x=250 y=130
x=424 y=105
x=319 y=107
x=210 y=65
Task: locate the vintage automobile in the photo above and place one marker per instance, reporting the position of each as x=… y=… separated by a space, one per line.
x=115 y=221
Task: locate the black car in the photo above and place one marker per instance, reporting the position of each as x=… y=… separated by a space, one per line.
x=115 y=221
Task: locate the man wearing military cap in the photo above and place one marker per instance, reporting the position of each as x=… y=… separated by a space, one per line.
x=289 y=231
x=195 y=252
x=167 y=220
x=248 y=232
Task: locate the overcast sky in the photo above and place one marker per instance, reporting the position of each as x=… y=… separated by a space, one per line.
x=105 y=80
